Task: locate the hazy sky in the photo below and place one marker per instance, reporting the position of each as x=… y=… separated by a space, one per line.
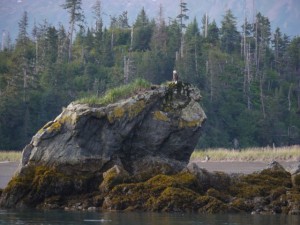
x=281 y=13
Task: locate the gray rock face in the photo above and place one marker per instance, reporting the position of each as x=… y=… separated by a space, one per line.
x=295 y=172
x=150 y=133
x=295 y=169
x=217 y=180
x=149 y=124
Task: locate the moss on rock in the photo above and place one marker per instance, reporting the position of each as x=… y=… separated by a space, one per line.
x=174 y=199
x=131 y=109
x=296 y=180
x=161 y=116
x=183 y=179
x=112 y=177
x=208 y=204
x=145 y=195
x=37 y=183
x=194 y=123
x=117 y=113
x=224 y=197
x=242 y=204
x=260 y=184
x=269 y=191
x=134 y=109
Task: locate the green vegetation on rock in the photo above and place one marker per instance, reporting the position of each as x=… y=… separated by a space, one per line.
x=115 y=94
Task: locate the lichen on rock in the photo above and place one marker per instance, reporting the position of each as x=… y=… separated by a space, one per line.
x=161 y=116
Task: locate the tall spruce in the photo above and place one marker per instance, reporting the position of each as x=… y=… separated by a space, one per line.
x=142 y=32
x=75 y=16
x=229 y=33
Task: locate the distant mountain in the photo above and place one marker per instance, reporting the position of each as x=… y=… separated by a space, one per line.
x=284 y=14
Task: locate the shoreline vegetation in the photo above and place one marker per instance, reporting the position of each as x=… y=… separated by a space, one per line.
x=10 y=155
x=287 y=153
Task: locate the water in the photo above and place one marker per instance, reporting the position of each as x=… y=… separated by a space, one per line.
x=128 y=218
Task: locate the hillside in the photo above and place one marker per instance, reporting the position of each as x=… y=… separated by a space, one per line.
x=249 y=80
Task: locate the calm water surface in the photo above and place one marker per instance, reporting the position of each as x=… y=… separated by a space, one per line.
x=119 y=218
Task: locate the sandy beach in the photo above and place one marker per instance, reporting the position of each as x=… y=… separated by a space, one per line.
x=239 y=166
x=7 y=169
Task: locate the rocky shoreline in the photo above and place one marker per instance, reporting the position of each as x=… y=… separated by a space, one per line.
x=270 y=191
x=133 y=155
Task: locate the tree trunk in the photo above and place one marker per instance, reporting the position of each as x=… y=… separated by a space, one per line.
x=289 y=97
x=196 y=60
x=261 y=80
x=71 y=40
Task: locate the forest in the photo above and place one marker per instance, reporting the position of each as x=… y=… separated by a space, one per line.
x=249 y=76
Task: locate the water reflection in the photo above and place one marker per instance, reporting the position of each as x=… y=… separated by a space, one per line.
x=125 y=218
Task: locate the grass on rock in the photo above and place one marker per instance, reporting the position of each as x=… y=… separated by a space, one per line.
x=115 y=94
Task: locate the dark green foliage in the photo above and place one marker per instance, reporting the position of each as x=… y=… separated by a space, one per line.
x=142 y=32
x=229 y=33
x=213 y=33
x=257 y=105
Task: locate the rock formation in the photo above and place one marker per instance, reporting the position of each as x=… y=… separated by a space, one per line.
x=133 y=155
x=153 y=132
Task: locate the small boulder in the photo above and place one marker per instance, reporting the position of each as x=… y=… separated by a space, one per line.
x=217 y=180
x=113 y=176
x=275 y=166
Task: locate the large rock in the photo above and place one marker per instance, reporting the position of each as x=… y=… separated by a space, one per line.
x=150 y=124
x=152 y=132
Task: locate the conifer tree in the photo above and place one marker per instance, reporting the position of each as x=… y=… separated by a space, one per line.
x=97 y=13
x=142 y=32
x=229 y=33
x=213 y=33
x=76 y=15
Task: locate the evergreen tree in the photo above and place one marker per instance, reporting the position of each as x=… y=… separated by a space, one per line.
x=213 y=33
x=280 y=43
x=173 y=40
x=191 y=63
x=123 y=20
x=229 y=33
x=294 y=64
x=63 y=42
x=142 y=32
x=76 y=15
x=183 y=14
x=159 y=37
x=107 y=58
x=97 y=13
